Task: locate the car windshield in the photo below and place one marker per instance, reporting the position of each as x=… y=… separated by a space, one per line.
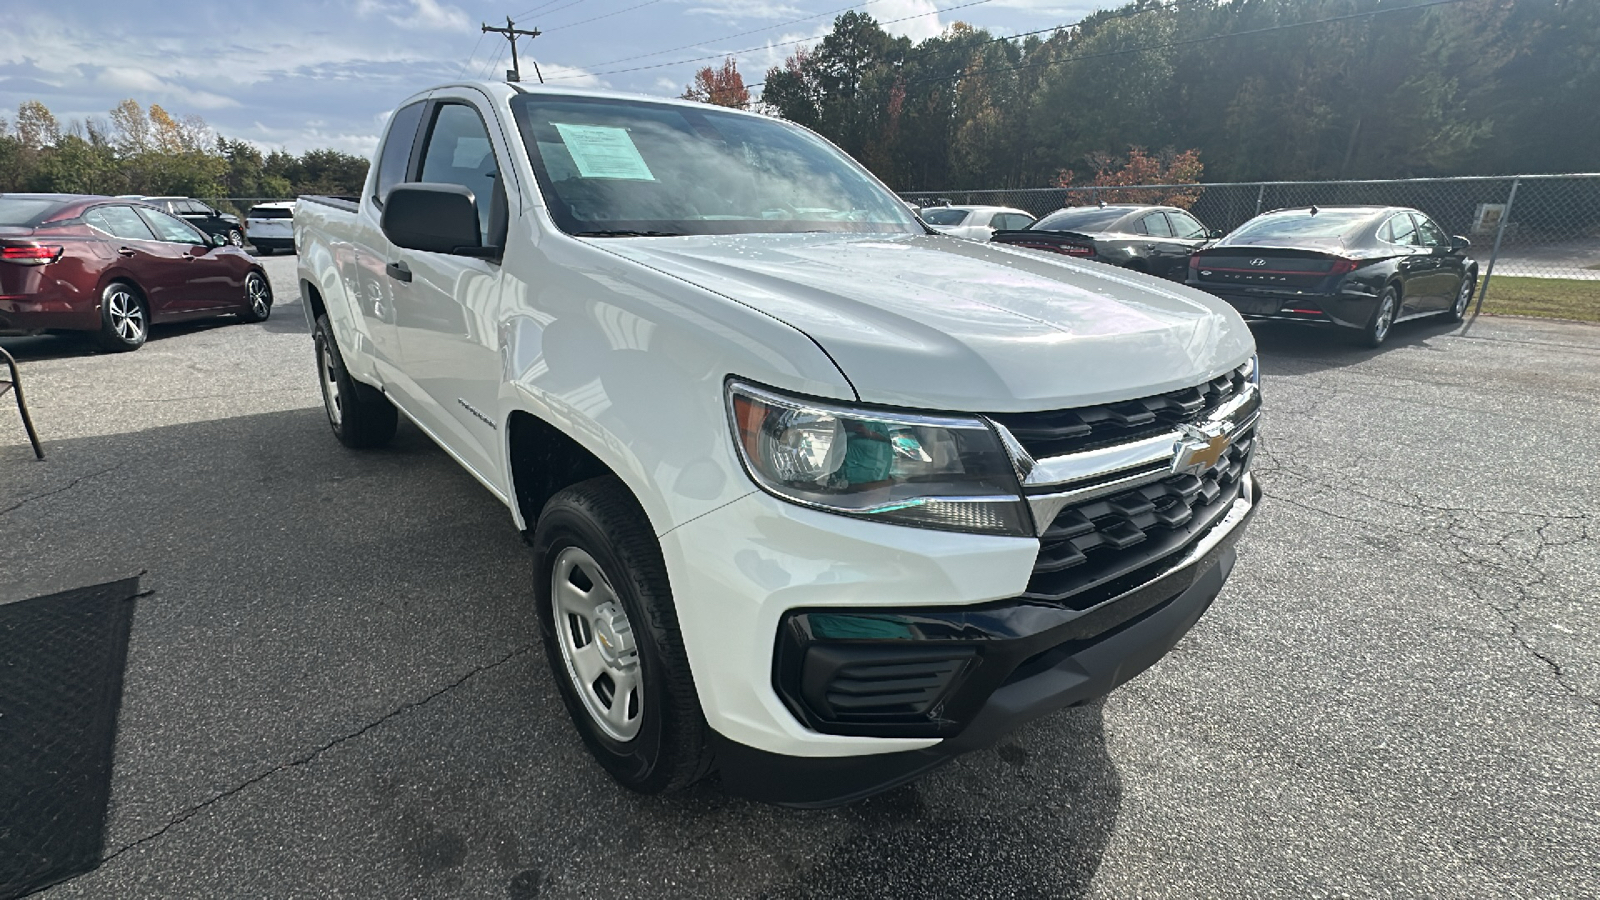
x=1301 y=225
x=26 y=211
x=1085 y=218
x=613 y=167
x=943 y=216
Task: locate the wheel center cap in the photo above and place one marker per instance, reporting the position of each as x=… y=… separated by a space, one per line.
x=615 y=636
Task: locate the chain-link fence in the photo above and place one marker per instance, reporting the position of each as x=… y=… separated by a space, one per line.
x=1521 y=227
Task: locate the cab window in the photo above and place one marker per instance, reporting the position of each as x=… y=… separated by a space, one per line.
x=458 y=152
x=397 y=149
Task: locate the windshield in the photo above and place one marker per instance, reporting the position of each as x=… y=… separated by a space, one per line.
x=943 y=216
x=1083 y=218
x=1301 y=225
x=611 y=167
x=26 y=211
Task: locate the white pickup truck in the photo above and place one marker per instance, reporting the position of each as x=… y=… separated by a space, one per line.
x=817 y=498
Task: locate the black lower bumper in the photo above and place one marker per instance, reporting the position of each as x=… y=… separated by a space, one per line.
x=1070 y=672
x=1351 y=310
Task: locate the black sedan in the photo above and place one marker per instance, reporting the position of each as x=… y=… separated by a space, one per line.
x=202 y=216
x=1360 y=267
x=1154 y=239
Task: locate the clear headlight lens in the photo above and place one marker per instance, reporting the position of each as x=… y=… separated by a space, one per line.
x=930 y=471
x=1252 y=374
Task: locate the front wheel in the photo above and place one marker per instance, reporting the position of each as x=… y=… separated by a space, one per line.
x=611 y=633
x=361 y=417
x=1382 y=321
x=1463 y=298
x=258 y=298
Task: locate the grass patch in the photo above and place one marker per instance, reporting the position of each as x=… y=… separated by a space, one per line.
x=1547 y=298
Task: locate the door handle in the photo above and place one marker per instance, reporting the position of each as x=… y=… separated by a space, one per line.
x=126 y=251
x=399 y=271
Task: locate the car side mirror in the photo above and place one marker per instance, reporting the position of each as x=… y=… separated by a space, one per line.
x=1214 y=233
x=216 y=240
x=1459 y=243
x=434 y=218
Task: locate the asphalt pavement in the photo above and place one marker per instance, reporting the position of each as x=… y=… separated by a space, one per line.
x=335 y=690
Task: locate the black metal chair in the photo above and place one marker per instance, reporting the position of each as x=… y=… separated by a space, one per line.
x=15 y=384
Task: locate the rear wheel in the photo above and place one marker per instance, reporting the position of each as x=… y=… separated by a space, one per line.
x=124 y=318
x=361 y=417
x=1458 y=311
x=1382 y=321
x=611 y=633
x=235 y=237
x=258 y=298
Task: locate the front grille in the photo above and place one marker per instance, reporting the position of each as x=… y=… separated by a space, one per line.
x=1063 y=431
x=1093 y=550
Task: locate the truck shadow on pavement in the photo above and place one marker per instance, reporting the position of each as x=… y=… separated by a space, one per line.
x=339 y=663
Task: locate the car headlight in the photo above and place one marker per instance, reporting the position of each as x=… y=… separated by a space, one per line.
x=1253 y=373
x=942 y=472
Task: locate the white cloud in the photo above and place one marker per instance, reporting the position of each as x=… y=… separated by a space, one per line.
x=416 y=15
x=741 y=10
x=917 y=29
x=566 y=76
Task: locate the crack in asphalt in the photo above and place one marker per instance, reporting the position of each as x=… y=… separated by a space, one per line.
x=301 y=760
x=1465 y=531
x=60 y=490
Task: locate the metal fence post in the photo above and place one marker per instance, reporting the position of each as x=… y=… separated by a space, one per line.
x=1261 y=194
x=1494 y=254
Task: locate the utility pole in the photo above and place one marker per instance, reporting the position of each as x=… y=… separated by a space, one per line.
x=512 y=32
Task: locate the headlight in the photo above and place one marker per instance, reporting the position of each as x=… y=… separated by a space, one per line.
x=930 y=471
x=1252 y=374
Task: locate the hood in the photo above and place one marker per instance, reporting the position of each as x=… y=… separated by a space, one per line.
x=931 y=322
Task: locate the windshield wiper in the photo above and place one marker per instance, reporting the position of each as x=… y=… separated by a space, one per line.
x=625 y=233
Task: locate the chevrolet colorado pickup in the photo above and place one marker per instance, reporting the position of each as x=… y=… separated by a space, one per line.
x=816 y=498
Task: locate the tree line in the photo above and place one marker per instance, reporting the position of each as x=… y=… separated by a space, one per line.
x=152 y=152
x=1254 y=89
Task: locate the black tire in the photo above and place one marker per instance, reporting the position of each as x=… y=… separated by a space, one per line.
x=361 y=416
x=258 y=298
x=600 y=519
x=1383 y=315
x=1458 y=309
x=124 y=318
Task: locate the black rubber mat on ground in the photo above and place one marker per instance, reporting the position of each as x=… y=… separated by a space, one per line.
x=61 y=663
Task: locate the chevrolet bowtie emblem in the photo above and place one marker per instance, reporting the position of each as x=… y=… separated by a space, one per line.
x=1200 y=451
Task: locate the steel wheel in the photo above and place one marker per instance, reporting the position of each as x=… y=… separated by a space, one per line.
x=330 y=386
x=597 y=644
x=126 y=314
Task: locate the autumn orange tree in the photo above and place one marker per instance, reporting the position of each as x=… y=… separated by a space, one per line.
x=1168 y=168
x=722 y=86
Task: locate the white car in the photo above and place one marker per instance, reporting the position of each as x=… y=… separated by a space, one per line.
x=270 y=226
x=813 y=496
x=977 y=223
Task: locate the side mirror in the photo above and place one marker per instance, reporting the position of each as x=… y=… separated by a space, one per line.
x=1459 y=243
x=216 y=240
x=1215 y=233
x=434 y=218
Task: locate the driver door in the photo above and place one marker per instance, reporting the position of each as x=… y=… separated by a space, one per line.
x=208 y=283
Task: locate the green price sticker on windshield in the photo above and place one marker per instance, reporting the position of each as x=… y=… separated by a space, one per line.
x=603 y=152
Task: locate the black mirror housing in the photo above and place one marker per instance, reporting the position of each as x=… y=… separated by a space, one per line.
x=1214 y=233
x=433 y=218
x=1459 y=243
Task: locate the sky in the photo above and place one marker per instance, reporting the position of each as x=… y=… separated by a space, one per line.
x=300 y=75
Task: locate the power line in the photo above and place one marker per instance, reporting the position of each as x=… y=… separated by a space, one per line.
x=728 y=37
x=681 y=62
x=527 y=12
x=598 y=18
x=1167 y=45
x=463 y=69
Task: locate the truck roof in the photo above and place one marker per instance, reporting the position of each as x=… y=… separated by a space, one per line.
x=505 y=90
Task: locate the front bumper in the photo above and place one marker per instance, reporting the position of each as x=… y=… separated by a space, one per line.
x=937 y=593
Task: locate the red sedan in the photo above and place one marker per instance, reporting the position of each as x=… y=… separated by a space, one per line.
x=114 y=267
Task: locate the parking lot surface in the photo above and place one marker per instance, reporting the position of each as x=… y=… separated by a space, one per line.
x=335 y=689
